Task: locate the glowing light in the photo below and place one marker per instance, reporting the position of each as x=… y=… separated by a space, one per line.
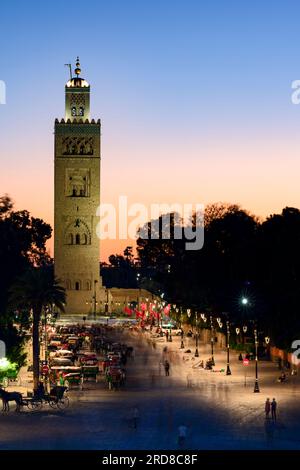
x=4 y=363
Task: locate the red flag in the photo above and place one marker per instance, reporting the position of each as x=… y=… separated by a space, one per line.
x=138 y=314
x=167 y=309
x=128 y=311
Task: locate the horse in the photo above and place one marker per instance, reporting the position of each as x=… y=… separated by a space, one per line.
x=6 y=397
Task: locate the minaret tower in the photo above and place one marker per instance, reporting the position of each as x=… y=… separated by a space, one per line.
x=77 y=197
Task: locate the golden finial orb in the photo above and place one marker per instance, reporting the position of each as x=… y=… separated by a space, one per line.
x=78 y=69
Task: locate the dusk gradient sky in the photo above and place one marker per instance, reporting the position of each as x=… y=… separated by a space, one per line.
x=194 y=98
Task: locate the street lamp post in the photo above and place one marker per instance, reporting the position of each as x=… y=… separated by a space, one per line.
x=245 y=328
x=196 y=352
x=189 y=313
x=212 y=339
x=182 y=342
x=170 y=330
x=256 y=386
x=267 y=341
x=228 y=371
x=182 y=333
x=46 y=334
x=106 y=309
x=95 y=298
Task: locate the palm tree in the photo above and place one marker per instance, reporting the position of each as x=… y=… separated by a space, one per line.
x=36 y=289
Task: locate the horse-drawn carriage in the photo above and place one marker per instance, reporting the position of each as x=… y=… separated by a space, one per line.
x=68 y=375
x=90 y=372
x=57 y=398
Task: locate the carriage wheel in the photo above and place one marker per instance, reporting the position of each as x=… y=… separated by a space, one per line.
x=35 y=405
x=63 y=403
x=53 y=403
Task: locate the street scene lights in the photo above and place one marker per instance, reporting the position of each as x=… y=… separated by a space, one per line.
x=245 y=301
x=228 y=371
x=212 y=340
x=256 y=386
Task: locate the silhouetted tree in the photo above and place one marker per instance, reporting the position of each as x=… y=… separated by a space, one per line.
x=37 y=289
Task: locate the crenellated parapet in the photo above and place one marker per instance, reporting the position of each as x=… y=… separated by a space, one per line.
x=77 y=121
x=77 y=127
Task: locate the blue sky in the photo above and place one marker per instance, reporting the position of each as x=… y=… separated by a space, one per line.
x=191 y=94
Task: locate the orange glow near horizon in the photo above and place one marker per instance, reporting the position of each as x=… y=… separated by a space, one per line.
x=234 y=174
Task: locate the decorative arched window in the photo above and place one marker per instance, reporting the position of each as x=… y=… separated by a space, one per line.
x=68 y=284
x=73 y=110
x=79 y=231
x=77 y=285
x=81 y=111
x=88 y=285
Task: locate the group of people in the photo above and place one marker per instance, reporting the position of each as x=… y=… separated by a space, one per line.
x=115 y=379
x=271 y=406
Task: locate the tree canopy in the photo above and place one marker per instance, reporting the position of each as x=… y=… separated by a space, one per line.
x=22 y=245
x=242 y=256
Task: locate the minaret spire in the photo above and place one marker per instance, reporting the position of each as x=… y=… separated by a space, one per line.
x=78 y=69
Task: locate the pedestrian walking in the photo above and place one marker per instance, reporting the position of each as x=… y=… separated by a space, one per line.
x=182 y=430
x=274 y=409
x=167 y=368
x=109 y=381
x=267 y=407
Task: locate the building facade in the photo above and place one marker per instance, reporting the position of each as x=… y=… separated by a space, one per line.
x=77 y=197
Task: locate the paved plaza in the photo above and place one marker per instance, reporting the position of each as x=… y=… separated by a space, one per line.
x=219 y=411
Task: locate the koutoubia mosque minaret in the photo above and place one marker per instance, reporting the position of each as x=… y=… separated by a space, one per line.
x=77 y=197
